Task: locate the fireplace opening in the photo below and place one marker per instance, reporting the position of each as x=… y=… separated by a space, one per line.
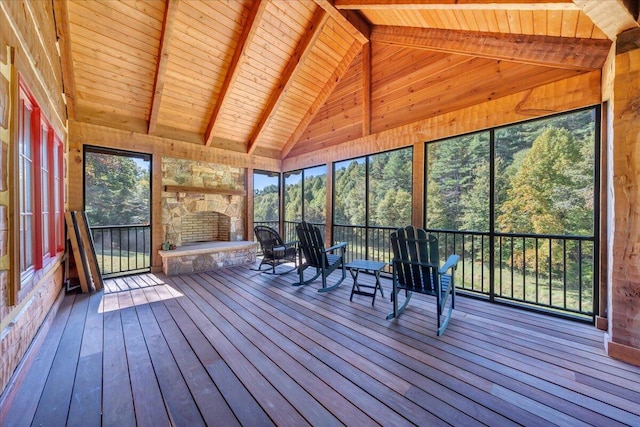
x=205 y=226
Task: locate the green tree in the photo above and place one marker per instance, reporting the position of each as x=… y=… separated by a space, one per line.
x=117 y=190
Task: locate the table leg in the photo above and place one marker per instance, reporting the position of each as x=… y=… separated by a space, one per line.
x=354 y=274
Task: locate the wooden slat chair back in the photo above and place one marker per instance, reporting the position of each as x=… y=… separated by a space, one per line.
x=416 y=269
x=325 y=261
x=274 y=250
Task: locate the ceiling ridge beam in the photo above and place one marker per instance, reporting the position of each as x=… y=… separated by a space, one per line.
x=249 y=30
x=349 y=20
x=168 y=24
x=322 y=97
x=456 y=5
x=301 y=52
x=557 y=52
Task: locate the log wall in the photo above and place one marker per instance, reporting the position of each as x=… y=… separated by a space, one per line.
x=27 y=51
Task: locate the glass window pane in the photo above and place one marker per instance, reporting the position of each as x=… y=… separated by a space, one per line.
x=315 y=194
x=458 y=177
x=293 y=196
x=349 y=205
x=117 y=189
x=266 y=197
x=545 y=175
x=390 y=188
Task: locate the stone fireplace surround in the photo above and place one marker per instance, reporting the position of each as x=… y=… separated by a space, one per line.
x=190 y=206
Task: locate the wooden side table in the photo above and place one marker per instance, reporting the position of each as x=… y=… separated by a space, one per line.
x=358 y=265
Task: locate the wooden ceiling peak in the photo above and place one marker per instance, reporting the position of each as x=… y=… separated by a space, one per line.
x=557 y=52
x=309 y=38
x=249 y=29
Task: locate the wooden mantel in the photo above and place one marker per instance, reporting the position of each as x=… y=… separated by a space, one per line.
x=203 y=190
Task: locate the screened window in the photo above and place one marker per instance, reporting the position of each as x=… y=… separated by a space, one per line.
x=266 y=198
x=518 y=204
x=372 y=196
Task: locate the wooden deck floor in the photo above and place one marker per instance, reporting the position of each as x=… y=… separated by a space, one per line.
x=237 y=347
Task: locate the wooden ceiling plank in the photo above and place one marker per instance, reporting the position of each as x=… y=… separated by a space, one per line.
x=456 y=4
x=611 y=17
x=61 y=15
x=302 y=51
x=249 y=30
x=339 y=71
x=558 y=52
x=163 y=59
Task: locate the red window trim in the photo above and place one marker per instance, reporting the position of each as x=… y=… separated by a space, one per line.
x=44 y=137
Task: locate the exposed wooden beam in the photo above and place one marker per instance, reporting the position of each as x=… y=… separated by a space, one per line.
x=322 y=97
x=302 y=51
x=61 y=16
x=163 y=59
x=558 y=52
x=627 y=41
x=611 y=16
x=366 y=89
x=350 y=21
x=457 y=4
x=249 y=29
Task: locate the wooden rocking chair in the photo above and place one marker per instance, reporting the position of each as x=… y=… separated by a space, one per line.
x=274 y=250
x=315 y=255
x=416 y=269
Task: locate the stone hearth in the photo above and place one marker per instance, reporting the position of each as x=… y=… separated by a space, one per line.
x=199 y=257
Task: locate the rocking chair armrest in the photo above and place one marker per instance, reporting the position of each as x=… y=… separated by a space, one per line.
x=451 y=263
x=342 y=245
x=292 y=244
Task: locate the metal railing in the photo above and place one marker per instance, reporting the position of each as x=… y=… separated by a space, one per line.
x=554 y=273
x=290 y=230
x=370 y=243
x=122 y=249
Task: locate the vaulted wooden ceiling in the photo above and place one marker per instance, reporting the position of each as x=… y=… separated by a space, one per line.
x=279 y=78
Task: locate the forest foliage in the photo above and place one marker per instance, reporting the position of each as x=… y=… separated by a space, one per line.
x=117 y=190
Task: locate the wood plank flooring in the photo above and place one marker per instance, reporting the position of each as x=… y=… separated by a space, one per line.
x=236 y=347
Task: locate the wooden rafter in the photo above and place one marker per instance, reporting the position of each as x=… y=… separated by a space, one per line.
x=322 y=97
x=558 y=52
x=61 y=15
x=366 y=89
x=612 y=17
x=163 y=59
x=248 y=32
x=351 y=22
x=302 y=50
x=457 y=4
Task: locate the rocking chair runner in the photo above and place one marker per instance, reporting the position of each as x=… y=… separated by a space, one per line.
x=416 y=269
x=315 y=255
x=274 y=250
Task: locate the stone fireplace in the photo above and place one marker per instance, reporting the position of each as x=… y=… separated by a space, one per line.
x=203 y=212
x=202 y=202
